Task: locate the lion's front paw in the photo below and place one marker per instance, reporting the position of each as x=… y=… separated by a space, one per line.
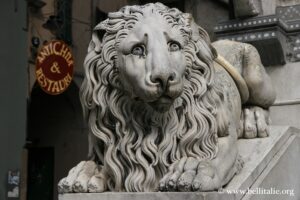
x=87 y=176
x=256 y=121
x=190 y=174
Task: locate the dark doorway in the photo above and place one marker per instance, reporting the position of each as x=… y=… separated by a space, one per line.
x=40 y=173
x=56 y=122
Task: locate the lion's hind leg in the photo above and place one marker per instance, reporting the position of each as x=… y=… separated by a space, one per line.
x=261 y=95
x=261 y=91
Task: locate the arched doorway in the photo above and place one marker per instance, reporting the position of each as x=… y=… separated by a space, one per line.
x=56 y=140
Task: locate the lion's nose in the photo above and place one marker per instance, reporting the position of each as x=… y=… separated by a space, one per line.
x=163 y=78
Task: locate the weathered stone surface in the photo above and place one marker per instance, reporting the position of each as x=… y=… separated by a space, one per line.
x=286 y=114
x=271 y=162
x=257 y=154
x=147 y=196
x=285 y=80
x=247 y=8
x=281 y=174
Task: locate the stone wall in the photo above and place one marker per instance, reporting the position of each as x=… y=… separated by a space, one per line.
x=286 y=81
x=13 y=86
x=81 y=31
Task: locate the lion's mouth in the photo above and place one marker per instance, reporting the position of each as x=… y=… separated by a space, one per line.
x=162 y=104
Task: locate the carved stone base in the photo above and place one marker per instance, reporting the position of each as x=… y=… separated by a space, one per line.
x=271 y=166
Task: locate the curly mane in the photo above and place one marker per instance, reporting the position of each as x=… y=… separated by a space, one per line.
x=134 y=143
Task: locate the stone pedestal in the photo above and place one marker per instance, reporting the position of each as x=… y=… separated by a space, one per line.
x=271 y=166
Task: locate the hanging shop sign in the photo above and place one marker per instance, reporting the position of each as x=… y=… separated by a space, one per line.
x=54 y=67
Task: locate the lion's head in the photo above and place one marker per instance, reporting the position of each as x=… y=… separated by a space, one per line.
x=149 y=95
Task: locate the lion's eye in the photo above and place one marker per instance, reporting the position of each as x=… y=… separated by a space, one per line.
x=138 y=50
x=174 y=46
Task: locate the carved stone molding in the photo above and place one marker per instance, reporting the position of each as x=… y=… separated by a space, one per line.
x=277 y=37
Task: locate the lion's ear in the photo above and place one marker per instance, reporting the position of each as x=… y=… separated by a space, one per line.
x=199 y=32
x=97 y=36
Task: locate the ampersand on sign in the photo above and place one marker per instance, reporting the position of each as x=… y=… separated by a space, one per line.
x=55 y=68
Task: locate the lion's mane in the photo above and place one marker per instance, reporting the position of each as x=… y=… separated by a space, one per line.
x=134 y=143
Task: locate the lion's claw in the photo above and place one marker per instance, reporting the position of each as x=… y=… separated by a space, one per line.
x=85 y=177
x=194 y=175
x=185 y=181
x=196 y=186
x=256 y=121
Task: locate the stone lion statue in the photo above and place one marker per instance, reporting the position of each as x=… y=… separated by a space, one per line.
x=164 y=108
